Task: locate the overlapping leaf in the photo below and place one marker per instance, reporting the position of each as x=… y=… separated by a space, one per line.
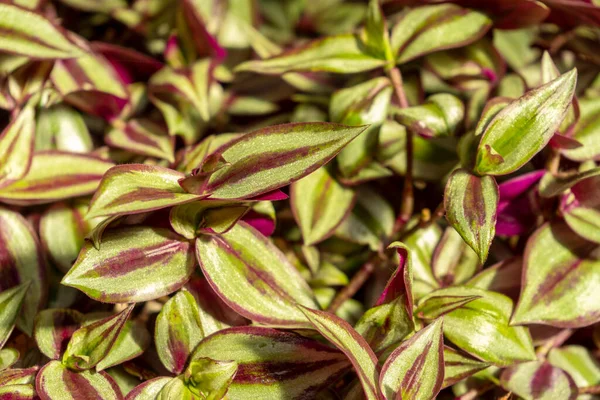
x=539 y=380
x=10 y=305
x=16 y=146
x=53 y=330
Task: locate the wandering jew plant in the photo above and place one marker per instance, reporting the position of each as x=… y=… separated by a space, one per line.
x=299 y=199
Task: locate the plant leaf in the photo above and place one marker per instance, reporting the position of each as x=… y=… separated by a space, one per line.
x=55 y=381
x=10 y=305
x=471 y=204
x=415 y=370
x=320 y=204
x=551 y=186
x=134 y=264
x=401 y=281
x=53 y=329
x=148 y=390
x=253 y=277
x=342 y=54
x=344 y=337
x=453 y=261
x=16 y=145
x=436 y=306
x=8 y=357
x=210 y=378
x=46 y=41
x=538 y=380
x=178 y=331
x=439 y=116
x=458 y=366
x=22 y=260
x=524 y=126
x=17 y=392
x=144 y=137
x=132 y=341
x=375 y=33
x=559 y=269
x=18 y=376
x=267 y=159
x=60 y=127
x=481 y=327
x=578 y=362
x=137 y=188
x=423 y=30
x=291 y=366
x=91 y=343
x=55 y=176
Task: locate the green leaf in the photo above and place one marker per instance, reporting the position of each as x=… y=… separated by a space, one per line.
x=585 y=222
x=423 y=30
x=375 y=34
x=524 y=126
x=453 y=261
x=559 y=270
x=415 y=370
x=142 y=136
x=471 y=204
x=137 y=188
x=22 y=261
x=320 y=204
x=30 y=34
x=55 y=176
x=342 y=54
x=371 y=221
x=439 y=116
x=193 y=156
x=178 y=331
x=503 y=277
x=551 y=186
x=269 y=158
x=422 y=244
x=459 y=365
x=587 y=132
x=10 y=305
x=253 y=277
x=436 y=306
x=62 y=232
x=16 y=145
x=91 y=343
x=344 y=337
x=18 y=376
x=481 y=327
x=53 y=329
x=56 y=381
x=538 y=380
x=581 y=365
x=132 y=341
x=18 y=392
x=134 y=264
x=60 y=127
x=149 y=390
x=288 y=366
x=385 y=325
x=8 y=357
x=210 y=379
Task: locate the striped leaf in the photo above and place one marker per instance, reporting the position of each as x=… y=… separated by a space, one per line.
x=176 y=388
x=551 y=186
x=18 y=376
x=538 y=381
x=294 y=367
x=436 y=306
x=415 y=370
x=254 y=277
x=503 y=277
x=560 y=269
x=210 y=378
x=22 y=260
x=581 y=209
x=142 y=136
x=30 y=34
x=137 y=188
x=524 y=127
x=471 y=204
x=439 y=116
x=148 y=390
x=267 y=159
x=423 y=30
x=10 y=305
x=8 y=357
x=320 y=204
x=587 y=132
x=191 y=157
x=192 y=85
x=134 y=264
x=91 y=343
x=132 y=341
x=579 y=362
x=60 y=127
x=481 y=327
x=91 y=84
x=459 y=366
x=453 y=260
x=344 y=337
x=17 y=392
x=178 y=331
x=55 y=381
x=385 y=325
x=55 y=176
x=16 y=145
x=342 y=54
x=62 y=231
x=53 y=330
x=401 y=282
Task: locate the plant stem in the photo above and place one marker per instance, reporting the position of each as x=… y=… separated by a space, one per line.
x=556 y=341
x=553 y=161
x=355 y=284
x=408 y=199
x=590 y=390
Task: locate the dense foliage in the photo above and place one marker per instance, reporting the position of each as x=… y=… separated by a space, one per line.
x=299 y=199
